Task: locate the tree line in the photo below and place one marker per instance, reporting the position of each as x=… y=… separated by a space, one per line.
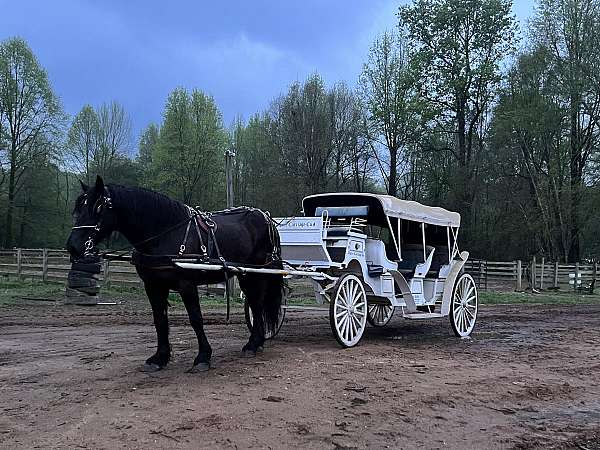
x=456 y=107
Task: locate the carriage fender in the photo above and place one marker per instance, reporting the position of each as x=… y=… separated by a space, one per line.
x=451 y=280
x=355 y=266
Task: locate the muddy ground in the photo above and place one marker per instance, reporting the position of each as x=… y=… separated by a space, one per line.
x=528 y=378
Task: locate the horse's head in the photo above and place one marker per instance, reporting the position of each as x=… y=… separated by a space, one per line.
x=94 y=219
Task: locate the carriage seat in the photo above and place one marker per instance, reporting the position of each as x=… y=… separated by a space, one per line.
x=350 y=218
x=377 y=260
x=412 y=258
x=440 y=258
x=338 y=231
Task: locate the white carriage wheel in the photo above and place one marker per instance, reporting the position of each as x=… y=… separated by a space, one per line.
x=348 y=310
x=380 y=315
x=250 y=317
x=463 y=309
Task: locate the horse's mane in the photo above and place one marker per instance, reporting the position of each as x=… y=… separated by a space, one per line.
x=148 y=205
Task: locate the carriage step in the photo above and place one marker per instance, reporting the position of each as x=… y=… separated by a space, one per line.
x=422 y=315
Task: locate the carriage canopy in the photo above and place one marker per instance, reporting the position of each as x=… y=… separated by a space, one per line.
x=381 y=207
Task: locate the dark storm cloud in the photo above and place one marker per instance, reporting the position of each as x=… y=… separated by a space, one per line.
x=243 y=53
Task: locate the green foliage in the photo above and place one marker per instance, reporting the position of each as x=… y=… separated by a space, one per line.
x=435 y=119
x=146 y=148
x=313 y=139
x=98 y=142
x=30 y=121
x=388 y=92
x=456 y=48
x=187 y=160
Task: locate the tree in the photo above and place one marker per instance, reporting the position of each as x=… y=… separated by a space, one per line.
x=456 y=47
x=188 y=159
x=113 y=138
x=531 y=151
x=146 y=148
x=351 y=159
x=388 y=93
x=31 y=115
x=304 y=133
x=569 y=32
x=82 y=142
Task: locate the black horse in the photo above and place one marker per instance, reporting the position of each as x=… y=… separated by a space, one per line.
x=161 y=229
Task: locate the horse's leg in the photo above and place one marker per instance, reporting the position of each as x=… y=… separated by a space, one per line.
x=189 y=295
x=157 y=294
x=254 y=289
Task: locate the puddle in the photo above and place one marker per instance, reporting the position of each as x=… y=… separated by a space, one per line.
x=588 y=413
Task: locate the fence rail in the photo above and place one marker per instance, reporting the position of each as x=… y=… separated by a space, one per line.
x=54 y=265
x=534 y=274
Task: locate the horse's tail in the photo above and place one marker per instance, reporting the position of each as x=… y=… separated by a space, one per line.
x=273 y=300
x=275 y=285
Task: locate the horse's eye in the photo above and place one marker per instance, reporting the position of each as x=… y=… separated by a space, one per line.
x=99 y=209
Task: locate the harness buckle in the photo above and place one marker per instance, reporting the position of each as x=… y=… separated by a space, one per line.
x=181 y=249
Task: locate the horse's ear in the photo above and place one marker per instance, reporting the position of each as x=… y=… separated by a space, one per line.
x=99 y=183
x=84 y=187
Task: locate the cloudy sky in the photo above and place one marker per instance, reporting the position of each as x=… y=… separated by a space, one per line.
x=244 y=53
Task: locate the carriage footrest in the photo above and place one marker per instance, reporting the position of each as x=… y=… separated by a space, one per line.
x=422 y=315
x=375 y=271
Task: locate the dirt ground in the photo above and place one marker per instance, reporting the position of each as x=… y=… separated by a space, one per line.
x=527 y=378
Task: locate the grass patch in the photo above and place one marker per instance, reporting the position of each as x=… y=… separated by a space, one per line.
x=12 y=290
x=543 y=298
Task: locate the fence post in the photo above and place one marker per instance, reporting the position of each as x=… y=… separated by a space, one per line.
x=107 y=273
x=542 y=274
x=556 y=274
x=45 y=265
x=19 y=262
x=519 y=286
x=576 y=276
x=533 y=274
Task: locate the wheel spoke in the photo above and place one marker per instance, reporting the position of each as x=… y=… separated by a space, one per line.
x=470 y=313
x=345 y=294
x=342 y=322
x=353 y=328
x=469 y=292
x=471 y=299
x=354 y=290
x=346 y=328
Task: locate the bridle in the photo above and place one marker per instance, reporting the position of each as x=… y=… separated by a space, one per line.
x=103 y=203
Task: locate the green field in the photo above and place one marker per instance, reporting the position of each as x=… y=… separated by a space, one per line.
x=13 y=291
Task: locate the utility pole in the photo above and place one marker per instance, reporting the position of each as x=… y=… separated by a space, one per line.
x=229 y=155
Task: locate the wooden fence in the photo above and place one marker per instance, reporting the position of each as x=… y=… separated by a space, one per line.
x=54 y=265
x=535 y=274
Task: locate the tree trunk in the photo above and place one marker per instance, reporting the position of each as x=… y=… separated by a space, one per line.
x=393 y=169
x=10 y=207
x=576 y=179
x=462 y=185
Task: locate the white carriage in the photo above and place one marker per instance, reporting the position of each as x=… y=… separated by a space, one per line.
x=368 y=255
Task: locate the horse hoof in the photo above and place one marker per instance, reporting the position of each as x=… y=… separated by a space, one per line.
x=150 y=367
x=260 y=349
x=248 y=354
x=200 y=367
